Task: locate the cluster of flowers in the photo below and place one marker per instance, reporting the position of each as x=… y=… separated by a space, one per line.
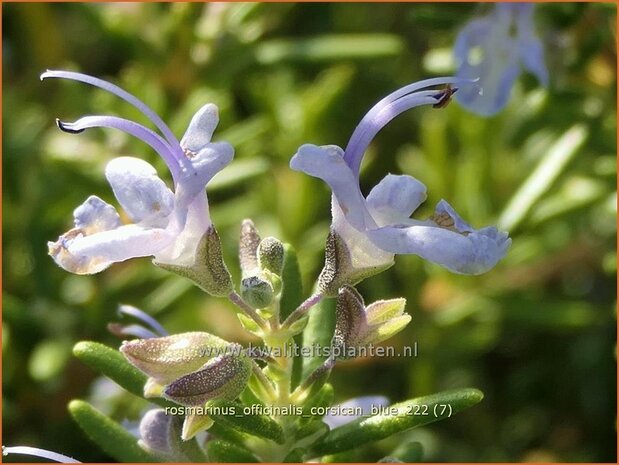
x=174 y=227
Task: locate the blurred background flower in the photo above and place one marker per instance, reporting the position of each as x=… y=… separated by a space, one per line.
x=495 y=49
x=537 y=334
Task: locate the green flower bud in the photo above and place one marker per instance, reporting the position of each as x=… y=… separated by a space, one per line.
x=385 y=318
x=271 y=255
x=223 y=377
x=256 y=292
x=349 y=317
x=357 y=325
x=273 y=279
x=164 y=359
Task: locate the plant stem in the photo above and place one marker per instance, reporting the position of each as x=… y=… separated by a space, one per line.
x=277 y=338
x=264 y=381
x=237 y=300
x=302 y=309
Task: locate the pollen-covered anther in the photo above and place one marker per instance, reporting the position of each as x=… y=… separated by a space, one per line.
x=443 y=220
x=189 y=154
x=444 y=97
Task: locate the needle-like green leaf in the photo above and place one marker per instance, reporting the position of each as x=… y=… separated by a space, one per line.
x=257 y=425
x=220 y=451
x=114 y=365
x=543 y=177
x=107 y=434
x=410 y=414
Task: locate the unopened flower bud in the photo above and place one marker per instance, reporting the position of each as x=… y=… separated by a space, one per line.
x=256 y=292
x=350 y=317
x=158 y=433
x=223 y=377
x=166 y=358
x=357 y=325
x=271 y=255
x=248 y=248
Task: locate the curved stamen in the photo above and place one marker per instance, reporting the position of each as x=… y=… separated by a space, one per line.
x=143 y=317
x=134 y=330
x=130 y=127
x=369 y=128
x=409 y=89
x=359 y=142
x=36 y=452
x=126 y=96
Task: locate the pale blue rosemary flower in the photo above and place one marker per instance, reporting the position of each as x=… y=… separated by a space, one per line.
x=495 y=48
x=374 y=228
x=167 y=225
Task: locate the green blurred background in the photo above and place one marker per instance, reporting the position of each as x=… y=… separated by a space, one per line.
x=537 y=334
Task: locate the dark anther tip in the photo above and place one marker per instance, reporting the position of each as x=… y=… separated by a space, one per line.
x=64 y=127
x=116 y=329
x=444 y=97
x=445 y=93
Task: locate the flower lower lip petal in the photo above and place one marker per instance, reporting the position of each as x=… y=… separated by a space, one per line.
x=474 y=253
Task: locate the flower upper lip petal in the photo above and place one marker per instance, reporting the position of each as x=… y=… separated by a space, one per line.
x=328 y=164
x=201 y=128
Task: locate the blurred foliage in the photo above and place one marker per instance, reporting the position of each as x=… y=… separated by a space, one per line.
x=537 y=334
